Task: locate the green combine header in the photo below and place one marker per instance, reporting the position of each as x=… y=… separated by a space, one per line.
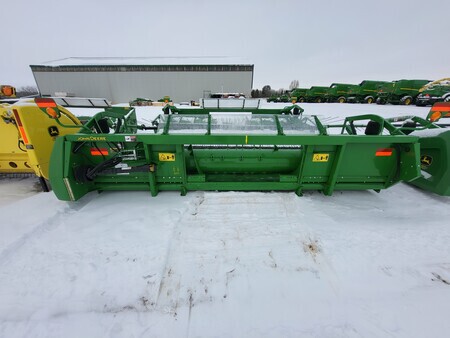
x=192 y=149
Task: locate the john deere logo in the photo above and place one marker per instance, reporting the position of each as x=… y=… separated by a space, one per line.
x=53 y=131
x=426 y=160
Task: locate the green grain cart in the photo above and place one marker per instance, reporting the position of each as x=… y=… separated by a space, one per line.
x=365 y=92
x=400 y=92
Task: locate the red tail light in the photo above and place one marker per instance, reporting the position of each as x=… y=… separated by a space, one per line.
x=99 y=151
x=384 y=152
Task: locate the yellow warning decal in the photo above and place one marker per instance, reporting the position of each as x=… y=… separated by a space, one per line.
x=166 y=157
x=321 y=157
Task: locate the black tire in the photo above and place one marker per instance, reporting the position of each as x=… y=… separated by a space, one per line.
x=341 y=99
x=406 y=100
x=380 y=101
x=368 y=100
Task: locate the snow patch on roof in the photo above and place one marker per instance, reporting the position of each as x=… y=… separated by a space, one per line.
x=153 y=61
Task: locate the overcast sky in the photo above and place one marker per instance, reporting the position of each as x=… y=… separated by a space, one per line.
x=315 y=42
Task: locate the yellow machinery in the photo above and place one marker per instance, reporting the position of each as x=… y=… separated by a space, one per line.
x=28 y=129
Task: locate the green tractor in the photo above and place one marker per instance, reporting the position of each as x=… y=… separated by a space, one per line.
x=338 y=92
x=316 y=94
x=400 y=92
x=365 y=92
x=437 y=91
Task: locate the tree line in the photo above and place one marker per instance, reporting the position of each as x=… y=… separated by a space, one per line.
x=26 y=91
x=267 y=90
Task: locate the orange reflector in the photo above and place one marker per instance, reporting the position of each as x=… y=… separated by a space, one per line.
x=43 y=102
x=8 y=90
x=435 y=116
x=52 y=112
x=99 y=151
x=20 y=126
x=384 y=152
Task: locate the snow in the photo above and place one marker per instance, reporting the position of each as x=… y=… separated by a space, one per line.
x=139 y=61
x=429 y=132
x=227 y=264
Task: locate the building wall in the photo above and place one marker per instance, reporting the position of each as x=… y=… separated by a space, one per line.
x=123 y=86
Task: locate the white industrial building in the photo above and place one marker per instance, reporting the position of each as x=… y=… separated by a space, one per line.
x=124 y=79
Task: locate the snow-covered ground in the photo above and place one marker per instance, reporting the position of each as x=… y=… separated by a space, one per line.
x=227 y=264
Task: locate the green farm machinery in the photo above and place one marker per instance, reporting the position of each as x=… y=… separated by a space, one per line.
x=316 y=94
x=298 y=95
x=437 y=91
x=434 y=140
x=242 y=149
x=400 y=92
x=279 y=98
x=365 y=92
x=338 y=92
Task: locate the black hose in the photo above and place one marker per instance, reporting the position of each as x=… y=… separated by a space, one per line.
x=90 y=174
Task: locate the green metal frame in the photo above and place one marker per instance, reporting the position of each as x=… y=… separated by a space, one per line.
x=163 y=160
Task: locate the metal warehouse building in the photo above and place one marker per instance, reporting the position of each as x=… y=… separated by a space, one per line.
x=124 y=79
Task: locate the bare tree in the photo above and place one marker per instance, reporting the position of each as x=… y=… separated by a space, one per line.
x=27 y=91
x=294 y=84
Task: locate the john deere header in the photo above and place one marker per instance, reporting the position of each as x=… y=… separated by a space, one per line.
x=215 y=150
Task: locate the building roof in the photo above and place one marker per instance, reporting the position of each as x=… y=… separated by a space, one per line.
x=144 y=61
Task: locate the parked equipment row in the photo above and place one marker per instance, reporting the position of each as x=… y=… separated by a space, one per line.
x=405 y=92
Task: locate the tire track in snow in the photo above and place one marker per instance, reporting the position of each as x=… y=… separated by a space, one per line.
x=169 y=286
x=40 y=228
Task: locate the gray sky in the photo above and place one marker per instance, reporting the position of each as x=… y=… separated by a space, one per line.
x=315 y=42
